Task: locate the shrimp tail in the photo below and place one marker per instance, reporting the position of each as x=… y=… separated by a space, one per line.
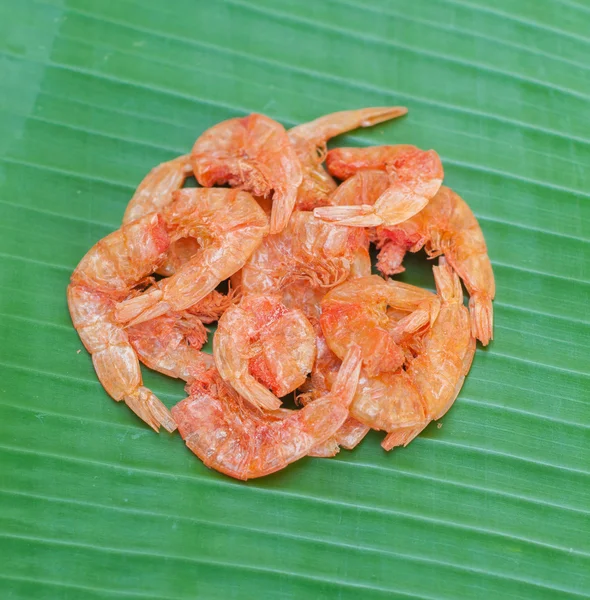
x=423 y=316
x=351 y=433
x=448 y=284
x=256 y=393
x=141 y=308
x=399 y=203
x=347 y=379
x=281 y=213
x=402 y=436
x=374 y=116
x=353 y=216
x=482 y=318
x=326 y=449
x=150 y=409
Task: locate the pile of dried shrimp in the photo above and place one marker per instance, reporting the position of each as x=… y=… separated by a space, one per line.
x=302 y=312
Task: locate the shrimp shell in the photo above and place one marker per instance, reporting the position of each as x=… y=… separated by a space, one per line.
x=230 y=435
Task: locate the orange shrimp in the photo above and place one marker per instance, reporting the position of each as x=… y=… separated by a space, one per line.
x=414 y=178
x=228 y=224
x=403 y=403
x=355 y=312
x=107 y=273
x=307 y=249
x=154 y=194
x=262 y=344
x=253 y=153
x=228 y=434
x=447 y=226
x=309 y=141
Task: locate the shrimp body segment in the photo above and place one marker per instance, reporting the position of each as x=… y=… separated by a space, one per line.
x=447 y=226
x=355 y=312
x=154 y=193
x=252 y=153
x=309 y=141
x=414 y=178
x=108 y=273
x=261 y=345
x=230 y=435
x=228 y=225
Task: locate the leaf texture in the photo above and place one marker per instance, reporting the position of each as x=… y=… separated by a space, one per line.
x=496 y=502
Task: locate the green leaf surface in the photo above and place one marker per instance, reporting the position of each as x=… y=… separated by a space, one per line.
x=496 y=502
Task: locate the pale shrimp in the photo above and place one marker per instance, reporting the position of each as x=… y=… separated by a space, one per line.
x=154 y=194
x=447 y=226
x=107 y=273
x=307 y=249
x=230 y=435
x=253 y=153
x=355 y=312
x=261 y=344
x=403 y=403
x=309 y=141
x=414 y=178
x=228 y=224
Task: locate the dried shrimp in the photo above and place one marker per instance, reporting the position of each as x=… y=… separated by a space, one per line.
x=280 y=260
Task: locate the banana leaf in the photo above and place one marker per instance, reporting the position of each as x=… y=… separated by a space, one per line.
x=494 y=502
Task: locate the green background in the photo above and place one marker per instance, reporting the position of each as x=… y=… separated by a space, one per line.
x=496 y=503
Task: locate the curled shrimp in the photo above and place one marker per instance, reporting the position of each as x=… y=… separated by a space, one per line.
x=228 y=434
x=403 y=403
x=414 y=178
x=307 y=249
x=228 y=224
x=355 y=312
x=447 y=226
x=253 y=153
x=154 y=194
x=107 y=273
x=309 y=141
x=261 y=344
